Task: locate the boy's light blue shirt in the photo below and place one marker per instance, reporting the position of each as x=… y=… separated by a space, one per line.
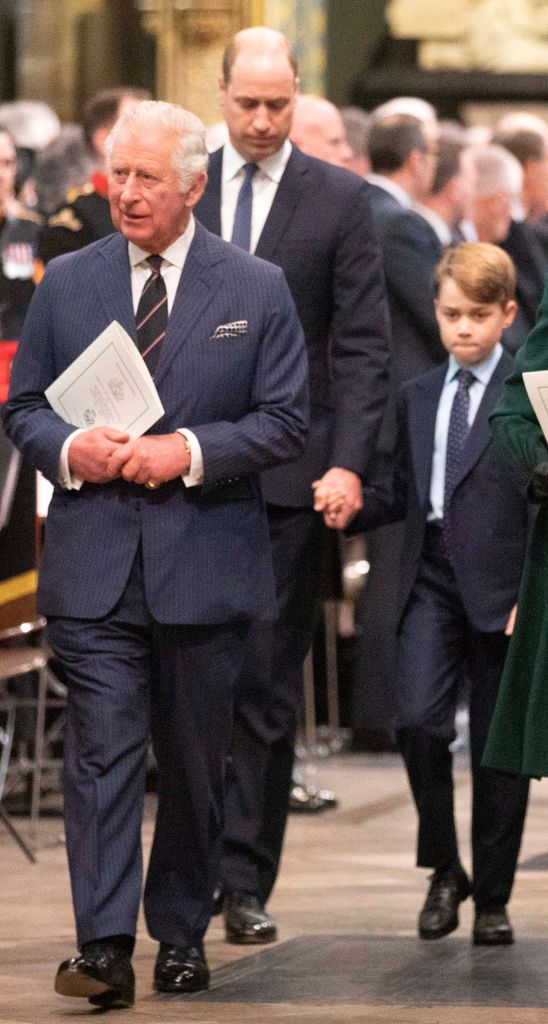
x=483 y=373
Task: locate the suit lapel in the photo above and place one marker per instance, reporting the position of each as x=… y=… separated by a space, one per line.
x=288 y=193
x=200 y=279
x=208 y=210
x=480 y=435
x=113 y=282
x=422 y=417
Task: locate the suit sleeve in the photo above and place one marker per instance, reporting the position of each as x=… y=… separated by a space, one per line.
x=274 y=429
x=410 y=255
x=29 y=420
x=518 y=437
x=359 y=337
x=385 y=500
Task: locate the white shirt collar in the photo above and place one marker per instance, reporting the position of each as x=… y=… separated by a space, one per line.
x=437 y=223
x=395 y=190
x=482 y=372
x=273 y=166
x=175 y=253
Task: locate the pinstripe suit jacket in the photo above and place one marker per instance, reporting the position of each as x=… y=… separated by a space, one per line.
x=205 y=549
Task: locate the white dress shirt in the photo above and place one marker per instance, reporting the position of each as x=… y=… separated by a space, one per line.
x=171 y=268
x=483 y=373
x=439 y=226
x=395 y=190
x=265 y=184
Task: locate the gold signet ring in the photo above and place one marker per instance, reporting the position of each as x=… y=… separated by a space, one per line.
x=151 y=485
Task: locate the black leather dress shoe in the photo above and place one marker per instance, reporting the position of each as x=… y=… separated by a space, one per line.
x=440 y=913
x=218 y=901
x=492 y=927
x=303 y=801
x=102 y=973
x=246 y=920
x=180 y=969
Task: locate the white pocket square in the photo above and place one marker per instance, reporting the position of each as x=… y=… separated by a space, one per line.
x=229 y=330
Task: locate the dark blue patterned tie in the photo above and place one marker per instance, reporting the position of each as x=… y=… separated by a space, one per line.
x=241 y=232
x=456 y=439
x=151 y=316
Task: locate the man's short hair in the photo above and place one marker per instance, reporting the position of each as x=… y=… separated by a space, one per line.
x=448 y=163
x=190 y=157
x=357 y=125
x=391 y=141
x=231 y=52
x=484 y=272
x=525 y=145
x=101 y=110
x=497 y=170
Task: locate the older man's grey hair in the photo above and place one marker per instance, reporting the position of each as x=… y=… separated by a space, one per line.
x=190 y=156
x=497 y=171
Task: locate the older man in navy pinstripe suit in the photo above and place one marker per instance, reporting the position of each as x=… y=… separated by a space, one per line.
x=156 y=553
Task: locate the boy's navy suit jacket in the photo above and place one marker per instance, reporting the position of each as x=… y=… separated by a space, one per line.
x=488 y=518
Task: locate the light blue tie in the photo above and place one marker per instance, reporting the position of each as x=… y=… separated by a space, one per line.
x=241 y=232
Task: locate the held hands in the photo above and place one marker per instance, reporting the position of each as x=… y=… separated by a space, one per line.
x=339 y=496
x=90 y=452
x=103 y=454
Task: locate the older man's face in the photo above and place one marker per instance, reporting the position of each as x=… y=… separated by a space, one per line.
x=258 y=103
x=147 y=202
x=8 y=165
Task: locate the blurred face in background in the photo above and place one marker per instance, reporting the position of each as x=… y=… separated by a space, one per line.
x=465 y=187
x=8 y=166
x=318 y=130
x=492 y=216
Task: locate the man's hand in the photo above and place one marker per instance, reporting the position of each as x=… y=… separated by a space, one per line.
x=89 y=454
x=152 y=459
x=339 y=496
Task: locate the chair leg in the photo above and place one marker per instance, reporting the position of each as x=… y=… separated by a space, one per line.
x=15 y=835
x=6 y=742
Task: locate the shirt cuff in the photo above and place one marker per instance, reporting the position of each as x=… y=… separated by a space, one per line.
x=195 y=475
x=64 y=476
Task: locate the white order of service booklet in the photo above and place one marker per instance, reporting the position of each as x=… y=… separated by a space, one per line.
x=108 y=385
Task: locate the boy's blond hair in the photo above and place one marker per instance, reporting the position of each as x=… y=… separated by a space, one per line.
x=484 y=272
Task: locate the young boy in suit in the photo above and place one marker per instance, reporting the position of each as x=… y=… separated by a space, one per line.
x=465 y=537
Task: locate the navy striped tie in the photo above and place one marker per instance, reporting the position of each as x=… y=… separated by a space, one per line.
x=151 y=316
x=241 y=231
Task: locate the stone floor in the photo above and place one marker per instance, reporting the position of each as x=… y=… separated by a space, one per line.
x=346 y=904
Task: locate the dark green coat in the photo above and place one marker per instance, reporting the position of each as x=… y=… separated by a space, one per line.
x=518 y=739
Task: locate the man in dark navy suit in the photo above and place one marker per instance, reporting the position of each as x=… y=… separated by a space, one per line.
x=465 y=538
x=156 y=552
x=312 y=220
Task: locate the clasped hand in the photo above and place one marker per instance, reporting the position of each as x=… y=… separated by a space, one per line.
x=103 y=454
x=339 y=496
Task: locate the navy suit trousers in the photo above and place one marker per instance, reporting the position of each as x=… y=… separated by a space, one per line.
x=267 y=701
x=128 y=677
x=438 y=650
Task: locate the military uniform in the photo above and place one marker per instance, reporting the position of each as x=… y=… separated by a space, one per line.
x=84 y=217
x=19 y=269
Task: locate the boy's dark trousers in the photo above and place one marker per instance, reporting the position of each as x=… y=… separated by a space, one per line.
x=438 y=647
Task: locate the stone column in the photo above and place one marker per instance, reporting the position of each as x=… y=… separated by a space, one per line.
x=47 y=66
x=191 y=36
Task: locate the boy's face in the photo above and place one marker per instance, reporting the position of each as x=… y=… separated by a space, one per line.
x=470 y=330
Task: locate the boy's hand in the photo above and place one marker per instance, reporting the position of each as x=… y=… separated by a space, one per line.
x=339 y=496
x=509 y=627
